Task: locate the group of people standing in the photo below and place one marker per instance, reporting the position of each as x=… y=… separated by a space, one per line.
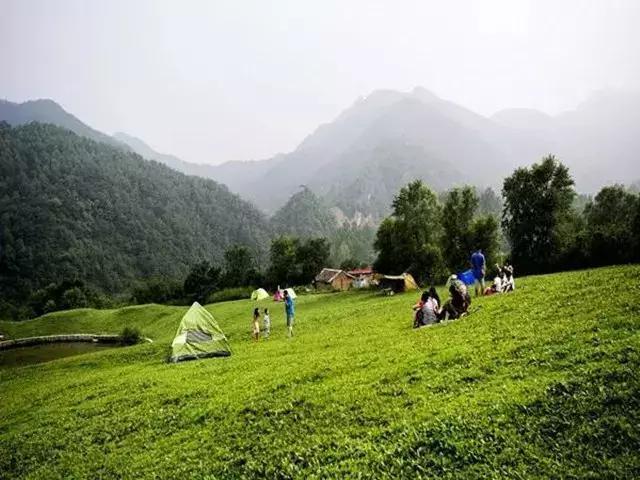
x=289 y=310
x=429 y=310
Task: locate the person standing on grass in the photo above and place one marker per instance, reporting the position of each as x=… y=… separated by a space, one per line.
x=267 y=323
x=478 y=267
x=289 y=310
x=256 y=324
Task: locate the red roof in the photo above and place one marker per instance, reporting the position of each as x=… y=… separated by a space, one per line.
x=361 y=271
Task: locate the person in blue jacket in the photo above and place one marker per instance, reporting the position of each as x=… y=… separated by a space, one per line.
x=479 y=268
x=289 y=310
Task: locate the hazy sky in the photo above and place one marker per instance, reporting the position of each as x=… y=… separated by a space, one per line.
x=212 y=81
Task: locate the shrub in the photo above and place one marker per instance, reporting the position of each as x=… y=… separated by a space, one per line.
x=130 y=336
x=228 y=294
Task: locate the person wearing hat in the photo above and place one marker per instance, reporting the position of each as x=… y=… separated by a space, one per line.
x=460 y=300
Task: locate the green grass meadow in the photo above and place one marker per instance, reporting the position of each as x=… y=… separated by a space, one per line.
x=540 y=383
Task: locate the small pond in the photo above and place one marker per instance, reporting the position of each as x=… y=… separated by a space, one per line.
x=17 y=357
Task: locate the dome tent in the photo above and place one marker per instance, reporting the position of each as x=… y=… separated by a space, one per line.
x=259 y=294
x=199 y=336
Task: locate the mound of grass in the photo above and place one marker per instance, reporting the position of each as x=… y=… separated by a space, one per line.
x=541 y=383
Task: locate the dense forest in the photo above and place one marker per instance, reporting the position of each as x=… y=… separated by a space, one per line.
x=75 y=209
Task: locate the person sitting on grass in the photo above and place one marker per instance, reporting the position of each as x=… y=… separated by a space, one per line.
x=496 y=286
x=427 y=309
x=256 y=324
x=458 y=305
x=509 y=284
x=266 y=320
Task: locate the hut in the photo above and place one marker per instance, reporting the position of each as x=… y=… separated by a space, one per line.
x=361 y=277
x=333 y=279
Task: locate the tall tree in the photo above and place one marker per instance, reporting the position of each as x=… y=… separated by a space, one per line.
x=407 y=241
x=202 y=280
x=239 y=266
x=283 y=269
x=537 y=214
x=610 y=229
x=458 y=213
x=312 y=255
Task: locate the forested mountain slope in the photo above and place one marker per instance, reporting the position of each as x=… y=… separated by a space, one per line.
x=74 y=208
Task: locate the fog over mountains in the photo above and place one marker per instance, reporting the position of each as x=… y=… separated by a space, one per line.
x=357 y=162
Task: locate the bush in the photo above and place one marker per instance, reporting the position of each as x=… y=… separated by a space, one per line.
x=227 y=294
x=130 y=336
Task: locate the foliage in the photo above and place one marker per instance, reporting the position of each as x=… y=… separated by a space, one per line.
x=130 y=336
x=609 y=224
x=240 y=267
x=458 y=213
x=537 y=215
x=64 y=296
x=202 y=280
x=304 y=215
x=312 y=255
x=353 y=243
x=73 y=208
x=228 y=294
x=282 y=266
x=407 y=241
x=541 y=383
x=158 y=290
x=295 y=261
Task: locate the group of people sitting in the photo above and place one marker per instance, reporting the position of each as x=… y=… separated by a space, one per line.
x=429 y=310
x=503 y=281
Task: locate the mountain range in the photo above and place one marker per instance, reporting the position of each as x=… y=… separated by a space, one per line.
x=357 y=162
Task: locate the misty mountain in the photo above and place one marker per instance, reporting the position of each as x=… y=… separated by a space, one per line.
x=75 y=208
x=599 y=140
x=48 y=111
x=361 y=159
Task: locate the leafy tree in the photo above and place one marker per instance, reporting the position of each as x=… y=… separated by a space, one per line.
x=202 y=280
x=283 y=269
x=484 y=234
x=158 y=290
x=458 y=213
x=537 y=215
x=312 y=255
x=465 y=231
x=73 y=298
x=240 y=267
x=407 y=241
x=610 y=229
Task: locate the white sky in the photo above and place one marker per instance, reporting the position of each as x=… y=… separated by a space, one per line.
x=212 y=81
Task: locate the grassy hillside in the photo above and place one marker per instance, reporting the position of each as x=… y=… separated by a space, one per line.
x=536 y=384
x=75 y=208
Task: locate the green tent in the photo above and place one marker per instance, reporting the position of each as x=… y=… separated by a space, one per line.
x=199 y=336
x=259 y=294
